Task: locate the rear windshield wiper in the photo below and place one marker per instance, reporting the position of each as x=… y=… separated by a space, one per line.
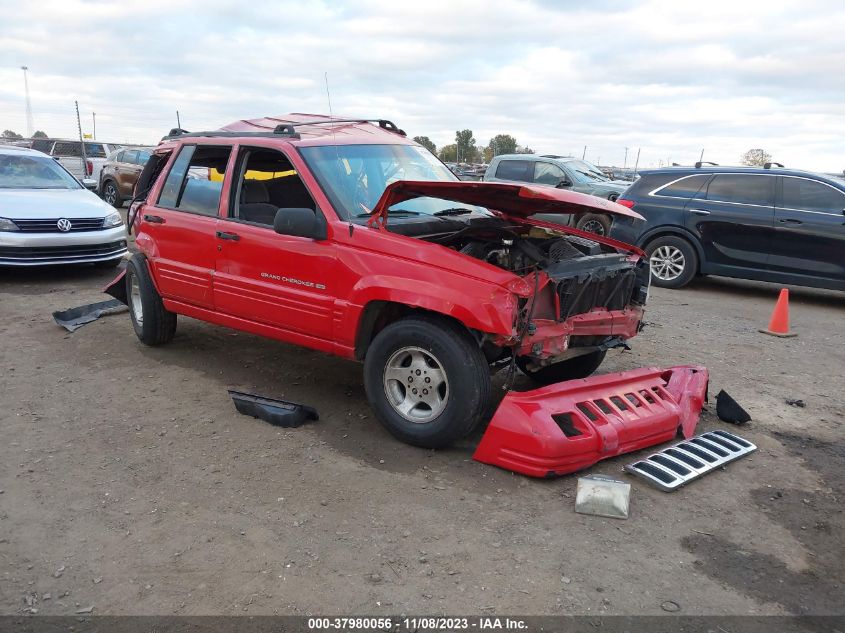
x=455 y=211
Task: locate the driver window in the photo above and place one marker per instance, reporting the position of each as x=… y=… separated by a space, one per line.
x=548 y=174
x=267 y=182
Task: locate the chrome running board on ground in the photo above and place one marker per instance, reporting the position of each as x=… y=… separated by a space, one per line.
x=677 y=465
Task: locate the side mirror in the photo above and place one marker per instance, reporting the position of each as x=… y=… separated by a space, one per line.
x=300 y=222
x=563 y=182
x=90 y=184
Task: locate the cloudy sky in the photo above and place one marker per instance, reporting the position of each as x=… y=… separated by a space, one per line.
x=669 y=77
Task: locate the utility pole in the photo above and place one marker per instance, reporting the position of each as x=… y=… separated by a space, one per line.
x=637 y=164
x=625 y=162
x=178 y=122
x=81 y=142
x=94 y=117
x=30 y=127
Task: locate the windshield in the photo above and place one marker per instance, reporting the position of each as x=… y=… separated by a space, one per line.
x=355 y=176
x=33 y=172
x=585 y=172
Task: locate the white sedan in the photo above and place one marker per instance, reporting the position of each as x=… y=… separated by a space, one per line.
x=47 y=217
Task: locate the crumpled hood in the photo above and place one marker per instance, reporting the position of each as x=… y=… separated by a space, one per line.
x=513 y=200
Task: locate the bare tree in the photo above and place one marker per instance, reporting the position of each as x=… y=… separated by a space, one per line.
x=756 y=158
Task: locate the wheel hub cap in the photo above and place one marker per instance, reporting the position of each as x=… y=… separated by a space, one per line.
x=667 y=263
x=593 y=226
x=415 y=384
x=135 y=300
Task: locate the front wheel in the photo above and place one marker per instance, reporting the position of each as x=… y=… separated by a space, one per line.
x=577 y=367
x=427 y=381
x=153 y=324
x=111 y=194
x=673 y=261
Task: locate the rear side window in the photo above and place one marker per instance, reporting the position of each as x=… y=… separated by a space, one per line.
x=195 y=180
x=742 y=189
x=129 y=156
x=95 y=150
x=686 y=187
x=521 y=170
x=42 y=145
x=810 y=195
x=117 y=157
x=67 y=148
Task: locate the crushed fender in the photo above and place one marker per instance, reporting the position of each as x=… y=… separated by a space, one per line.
x=74 y=318
x=571 y=425
x=276 y=412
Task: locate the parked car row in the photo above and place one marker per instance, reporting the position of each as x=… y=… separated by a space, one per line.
x=70 y=154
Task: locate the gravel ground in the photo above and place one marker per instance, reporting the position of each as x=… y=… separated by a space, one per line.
x=128 y=483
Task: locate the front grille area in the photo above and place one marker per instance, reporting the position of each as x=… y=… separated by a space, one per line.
x=61 y=253
x=50 y=225
x=598 y=281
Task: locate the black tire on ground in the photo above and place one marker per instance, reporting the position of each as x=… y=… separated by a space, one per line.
x=673 y=261
x=435 y=355
x=577 y=367
x=153 y=324
x=594 y=223
x=111 y=194
x=109 y=263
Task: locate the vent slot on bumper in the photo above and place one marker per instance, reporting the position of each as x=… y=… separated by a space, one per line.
x=677 y=465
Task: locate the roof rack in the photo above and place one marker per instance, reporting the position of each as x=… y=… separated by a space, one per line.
x=705 y=162
x=283 y=129
x=769 y=165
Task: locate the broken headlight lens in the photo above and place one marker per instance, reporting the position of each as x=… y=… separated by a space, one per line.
x=8 y=225
x=112 y=219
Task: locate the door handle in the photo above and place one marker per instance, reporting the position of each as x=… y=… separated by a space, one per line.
x=154 y=219
x=790 y=221
x=223 y=235
x=700 y=211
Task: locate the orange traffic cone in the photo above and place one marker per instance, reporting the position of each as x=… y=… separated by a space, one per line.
x=779 y=323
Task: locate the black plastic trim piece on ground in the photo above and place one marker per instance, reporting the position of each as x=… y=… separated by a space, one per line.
x=75 y=318
x=276 y=412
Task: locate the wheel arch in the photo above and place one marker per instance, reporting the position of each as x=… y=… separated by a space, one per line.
x=673 y=231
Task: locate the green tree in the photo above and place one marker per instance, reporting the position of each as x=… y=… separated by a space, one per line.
x=39 y=134
x=502 y=144
x=427 y=143
x=465 y=142
x=756 y=157
x=14 y=136
x=448 y=153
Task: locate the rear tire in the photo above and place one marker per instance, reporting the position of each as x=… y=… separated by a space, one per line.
x=111 y=194
x=597 y=223
x=427 y=381
x=578 y=367
x=673 y=261
x=153 y=324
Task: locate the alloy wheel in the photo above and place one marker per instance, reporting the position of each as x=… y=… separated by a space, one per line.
x=667 y=263
x=593 y=226
x=110 y=194
x=415 y=384
x=135 y=303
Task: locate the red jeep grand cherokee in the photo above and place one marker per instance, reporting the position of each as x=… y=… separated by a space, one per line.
x=346 y=237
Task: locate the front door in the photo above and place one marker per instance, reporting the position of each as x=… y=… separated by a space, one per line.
x=733 y=218
x=278 y=280
x=181 y=225
x=809 y=229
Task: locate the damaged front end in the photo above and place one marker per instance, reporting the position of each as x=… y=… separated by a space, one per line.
x=571 y=425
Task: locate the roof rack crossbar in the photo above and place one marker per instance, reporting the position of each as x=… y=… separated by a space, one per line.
x=283 y=129
x=705 y=162
x=772 y=164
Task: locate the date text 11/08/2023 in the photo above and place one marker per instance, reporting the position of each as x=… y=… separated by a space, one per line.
x=422 y=623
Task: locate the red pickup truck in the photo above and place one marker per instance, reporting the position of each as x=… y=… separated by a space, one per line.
x=347 y=237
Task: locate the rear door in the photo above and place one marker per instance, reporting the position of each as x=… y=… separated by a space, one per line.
x=734 y=220
x=127 y=169
x=809 y=237
x=279 y=280
x=515 y=170
x=181 y=224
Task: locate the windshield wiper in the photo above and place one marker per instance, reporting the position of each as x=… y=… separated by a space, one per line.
x=455 y=211
x=391 y=212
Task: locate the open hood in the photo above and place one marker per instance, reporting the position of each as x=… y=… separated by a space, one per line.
x=514 y=200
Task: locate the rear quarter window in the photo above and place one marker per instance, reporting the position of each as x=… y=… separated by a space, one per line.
x=686 y=187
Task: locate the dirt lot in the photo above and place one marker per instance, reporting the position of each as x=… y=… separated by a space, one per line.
x=129 y=483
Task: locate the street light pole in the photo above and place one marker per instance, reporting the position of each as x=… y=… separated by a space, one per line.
x=625 y=162
x=94 y=132
x=29 y=124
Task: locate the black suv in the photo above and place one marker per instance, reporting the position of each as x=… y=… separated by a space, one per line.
x=769 y=224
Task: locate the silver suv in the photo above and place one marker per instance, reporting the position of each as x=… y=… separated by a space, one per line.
x=563 y=172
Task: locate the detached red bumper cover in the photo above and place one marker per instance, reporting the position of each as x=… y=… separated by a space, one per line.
x=571 y=425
